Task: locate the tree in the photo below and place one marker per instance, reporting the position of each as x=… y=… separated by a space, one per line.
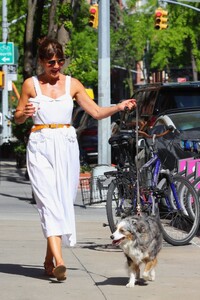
x=130 y=40
x=52 y=30
x=28 y=53
x=83 y=47
x=179 y=44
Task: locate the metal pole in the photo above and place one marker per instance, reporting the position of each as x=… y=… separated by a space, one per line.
x=182 y=4
x=6 y=132
x=104 y=150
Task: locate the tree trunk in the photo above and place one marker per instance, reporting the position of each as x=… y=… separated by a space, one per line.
x=194 y=68
x=28 y=53
x=63 y=35
x=130 y=82
x=53 y=27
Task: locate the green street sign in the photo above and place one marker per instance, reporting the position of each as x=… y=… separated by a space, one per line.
x=6 y=53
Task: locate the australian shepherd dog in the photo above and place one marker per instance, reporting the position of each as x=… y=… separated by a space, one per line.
x=140 y=239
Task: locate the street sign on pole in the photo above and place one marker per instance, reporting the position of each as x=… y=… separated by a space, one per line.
x=6 y=53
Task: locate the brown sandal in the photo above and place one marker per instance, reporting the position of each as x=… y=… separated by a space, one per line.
x=60 y=272
x=48 y=269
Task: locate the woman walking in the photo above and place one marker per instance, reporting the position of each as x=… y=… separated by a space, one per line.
x=52 y=150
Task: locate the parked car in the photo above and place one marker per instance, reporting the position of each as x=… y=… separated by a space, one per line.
x=153 y=99
x=184 y=142
x=181 y=119
x=87 y=135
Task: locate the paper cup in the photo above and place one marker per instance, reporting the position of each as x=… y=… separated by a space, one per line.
x=35 y=104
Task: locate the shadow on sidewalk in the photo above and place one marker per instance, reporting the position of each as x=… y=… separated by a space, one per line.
x=36 y=272
x=98 y=247
x=9 y=172
x=121 y=281
x=23 y=270
x=19 y=198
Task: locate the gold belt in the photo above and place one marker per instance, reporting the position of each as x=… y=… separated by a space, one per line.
x=52 y=126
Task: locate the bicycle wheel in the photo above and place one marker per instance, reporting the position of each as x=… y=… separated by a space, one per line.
x=179 y=218
x=119 y=201
x=196 y=184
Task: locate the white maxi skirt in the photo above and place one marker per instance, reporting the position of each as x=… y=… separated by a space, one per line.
x=53 y=167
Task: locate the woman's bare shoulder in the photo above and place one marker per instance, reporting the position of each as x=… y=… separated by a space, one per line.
x=28 y=87
x=28 y=82
x=76 y=84
x=76 y=88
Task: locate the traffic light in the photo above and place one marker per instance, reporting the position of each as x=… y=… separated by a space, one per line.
x=1 y=79
x=161 y=19
x=94 y=15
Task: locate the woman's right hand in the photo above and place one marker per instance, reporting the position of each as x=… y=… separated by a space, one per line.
x=29 y=110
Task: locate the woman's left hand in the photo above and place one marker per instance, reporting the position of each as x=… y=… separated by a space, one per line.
x=129 y=103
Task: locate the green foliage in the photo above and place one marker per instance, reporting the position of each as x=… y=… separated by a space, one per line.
x=85 y=169
x=174 y=46
x=20 y=148
x=81 y=16
x=22 y=131
x=82 y=50
x=63 y=15
x=132 y=29
x=129 y=42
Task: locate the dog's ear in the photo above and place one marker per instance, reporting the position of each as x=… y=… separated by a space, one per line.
x=132 y=225
x=134 y=220
x=141 y=227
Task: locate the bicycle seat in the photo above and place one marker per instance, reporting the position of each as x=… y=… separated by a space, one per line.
x=121 y=137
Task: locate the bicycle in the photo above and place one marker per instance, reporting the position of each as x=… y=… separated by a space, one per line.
x=171 y=198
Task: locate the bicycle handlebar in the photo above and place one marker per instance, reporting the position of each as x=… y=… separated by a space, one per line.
x=122 y=123
x=123 y=127
x=157 y=135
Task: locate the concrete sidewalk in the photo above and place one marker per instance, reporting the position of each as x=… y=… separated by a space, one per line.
x=96 y=270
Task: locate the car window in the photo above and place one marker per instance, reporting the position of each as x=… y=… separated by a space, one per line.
x=177 y=98
x=92 y=122
x=147 y=105
x=185 y=121
x=186 y=101
x=77 y=118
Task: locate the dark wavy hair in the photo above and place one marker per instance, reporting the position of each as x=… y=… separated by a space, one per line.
x=48 y=48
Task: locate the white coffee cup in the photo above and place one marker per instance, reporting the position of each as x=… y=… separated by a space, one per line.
x=35 y=104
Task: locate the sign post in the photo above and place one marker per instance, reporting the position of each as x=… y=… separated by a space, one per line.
x=6 y=57
x=104 y=150
x=6 y=53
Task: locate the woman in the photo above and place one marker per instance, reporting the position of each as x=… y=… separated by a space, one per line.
x=52 y=150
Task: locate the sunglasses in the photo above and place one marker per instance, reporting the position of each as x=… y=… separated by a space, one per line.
x=59 y=61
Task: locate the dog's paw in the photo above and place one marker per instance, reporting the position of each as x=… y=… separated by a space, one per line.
x=130 y=284
x=148 y=277
x=152 y=277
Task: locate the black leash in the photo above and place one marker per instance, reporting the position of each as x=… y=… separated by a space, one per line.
x=138 y=206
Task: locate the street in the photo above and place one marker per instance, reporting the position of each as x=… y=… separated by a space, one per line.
x=96 y=270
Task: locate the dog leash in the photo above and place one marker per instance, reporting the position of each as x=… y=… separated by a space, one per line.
x=138 y=206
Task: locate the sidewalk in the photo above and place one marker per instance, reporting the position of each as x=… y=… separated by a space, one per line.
x=96 y=270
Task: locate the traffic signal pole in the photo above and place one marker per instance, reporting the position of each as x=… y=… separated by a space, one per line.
x=104 y=125
x=183 y=4
x=6 y=128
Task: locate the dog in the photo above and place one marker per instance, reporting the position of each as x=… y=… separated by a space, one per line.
x=140 y=238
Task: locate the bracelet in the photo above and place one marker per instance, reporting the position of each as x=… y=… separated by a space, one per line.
x=23 y=115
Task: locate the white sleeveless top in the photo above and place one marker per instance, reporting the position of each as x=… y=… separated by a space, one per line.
x=53 y=111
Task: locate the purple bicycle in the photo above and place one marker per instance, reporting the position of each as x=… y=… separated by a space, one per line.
x=151 y=189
